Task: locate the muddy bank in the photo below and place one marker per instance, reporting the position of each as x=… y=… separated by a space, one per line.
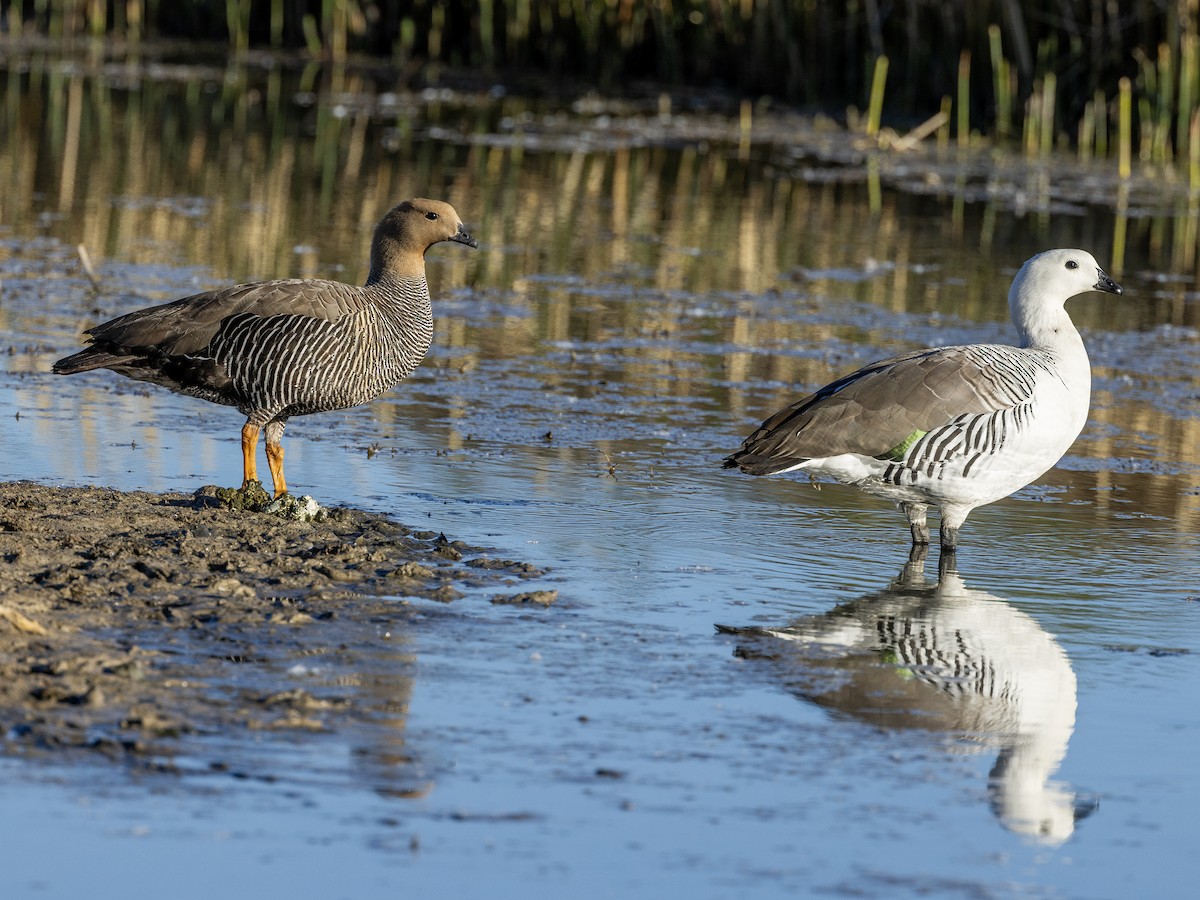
x=145 y=626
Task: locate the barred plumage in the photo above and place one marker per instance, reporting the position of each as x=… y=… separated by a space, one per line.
x=953 y=427
x=947 y=659
x=277 y=349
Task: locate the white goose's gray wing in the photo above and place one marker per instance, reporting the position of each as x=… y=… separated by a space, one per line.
x=882 y=409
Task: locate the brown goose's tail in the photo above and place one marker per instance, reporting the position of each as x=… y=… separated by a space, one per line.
x=91 y=358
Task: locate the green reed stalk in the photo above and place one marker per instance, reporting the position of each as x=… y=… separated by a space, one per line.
x=1003 y=84
x=437 y=26
x=964 y=99
x=335 y=21
x=16 y=23
x=1120 y=228
x=237 y=19
x=1145 y=137
x=1087 y=131
x=1186 y=103
x=402 y=47
x=97 y=17
x=1194 y=152
x=55 y=23
x=135 y=20
x=1166 y=104
x=745 y=129
x=277 y=21
x=1125 y=127
x=1148 y=87
x=312 y=34
x=1100 y=106
x=875 y=106
x=1049 y=94
x=1033 y=119
x=487 y=31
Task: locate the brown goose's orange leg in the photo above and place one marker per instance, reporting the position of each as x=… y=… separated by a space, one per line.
x=275 y=462
x=249 y=445
x=273 y=435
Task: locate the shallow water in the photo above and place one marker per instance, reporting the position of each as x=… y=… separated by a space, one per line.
x=642 y=296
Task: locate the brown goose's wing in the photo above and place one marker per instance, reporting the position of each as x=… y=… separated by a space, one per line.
x=188 y=325
x=882 y=407
x=185 y=327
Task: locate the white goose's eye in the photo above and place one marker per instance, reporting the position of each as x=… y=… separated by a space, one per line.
x=1071 y=264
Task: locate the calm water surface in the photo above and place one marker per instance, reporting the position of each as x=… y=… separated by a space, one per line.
x=642 y=296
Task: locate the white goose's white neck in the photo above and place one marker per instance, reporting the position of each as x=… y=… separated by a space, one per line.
x=1043 y=324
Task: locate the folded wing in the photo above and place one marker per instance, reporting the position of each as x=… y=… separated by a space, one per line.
x=881 y=408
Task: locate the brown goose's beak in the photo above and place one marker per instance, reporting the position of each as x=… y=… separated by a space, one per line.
x=462 y=236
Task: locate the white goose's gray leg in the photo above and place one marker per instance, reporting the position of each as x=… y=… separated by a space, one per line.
x=915 y=513
x=952 y=520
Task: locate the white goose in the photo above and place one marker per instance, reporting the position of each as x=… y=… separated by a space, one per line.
x=954 y=427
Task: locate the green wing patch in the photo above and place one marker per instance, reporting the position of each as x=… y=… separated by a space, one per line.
x=896 y=454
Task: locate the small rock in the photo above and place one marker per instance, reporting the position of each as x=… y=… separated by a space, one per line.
x=234 y=588
x=538 y=598
x=445 y=594
x=412 y=569
x=251 y=498
x=340 y=575
x=293 y=618
x=298 y=509
x=523 y=569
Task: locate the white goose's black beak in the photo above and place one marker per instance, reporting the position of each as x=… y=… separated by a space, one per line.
x=1106 y=284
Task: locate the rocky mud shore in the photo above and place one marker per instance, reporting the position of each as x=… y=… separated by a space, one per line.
x=139 y=625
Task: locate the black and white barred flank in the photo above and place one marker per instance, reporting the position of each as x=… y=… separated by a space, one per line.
x=282 y=366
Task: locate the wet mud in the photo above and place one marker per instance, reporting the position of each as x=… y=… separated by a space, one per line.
x=137 y=625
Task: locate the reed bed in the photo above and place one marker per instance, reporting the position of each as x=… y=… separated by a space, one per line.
x=1025 y=74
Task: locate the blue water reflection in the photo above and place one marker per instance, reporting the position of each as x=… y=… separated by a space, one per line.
x=960 y=663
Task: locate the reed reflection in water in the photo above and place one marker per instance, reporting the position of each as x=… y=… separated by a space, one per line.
x=940 y=657
x=707 y=275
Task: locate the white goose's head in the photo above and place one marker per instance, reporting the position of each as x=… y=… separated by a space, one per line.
x=1042 y=287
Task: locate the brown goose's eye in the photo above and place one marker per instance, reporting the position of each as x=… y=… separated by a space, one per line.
x=432 y=217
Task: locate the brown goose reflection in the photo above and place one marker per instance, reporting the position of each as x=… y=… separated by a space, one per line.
x=941 y=657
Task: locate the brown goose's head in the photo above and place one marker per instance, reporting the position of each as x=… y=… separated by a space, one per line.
x=407 y=231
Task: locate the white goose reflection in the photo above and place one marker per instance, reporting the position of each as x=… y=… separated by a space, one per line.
x=944 y=658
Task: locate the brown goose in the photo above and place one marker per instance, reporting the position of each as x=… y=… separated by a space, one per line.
x=276 y=349
x=952 y=427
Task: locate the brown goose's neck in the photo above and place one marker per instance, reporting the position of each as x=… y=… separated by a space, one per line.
x=393 y=257
x=384 y=271
x=406 y=296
